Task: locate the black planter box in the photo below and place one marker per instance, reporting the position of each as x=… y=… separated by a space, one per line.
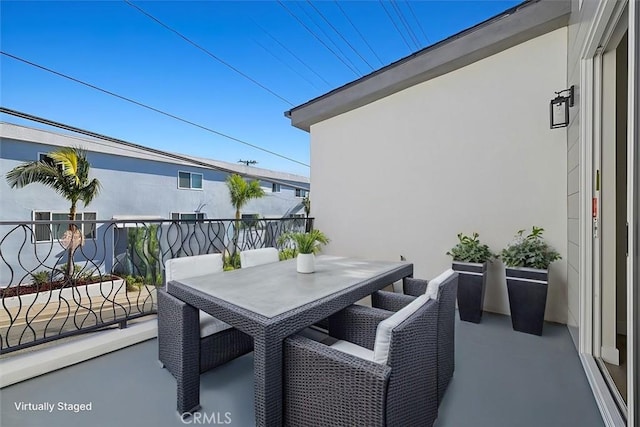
x=472 y=281
x=527 y=289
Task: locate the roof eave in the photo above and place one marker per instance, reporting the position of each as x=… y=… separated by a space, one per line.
x=520 y=24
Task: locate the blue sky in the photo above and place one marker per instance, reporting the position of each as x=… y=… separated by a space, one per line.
x=112 y=45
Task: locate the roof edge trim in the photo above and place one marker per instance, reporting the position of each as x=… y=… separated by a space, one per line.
x=517 y=25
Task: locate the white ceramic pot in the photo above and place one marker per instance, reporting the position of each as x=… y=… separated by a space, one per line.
x=306 y=263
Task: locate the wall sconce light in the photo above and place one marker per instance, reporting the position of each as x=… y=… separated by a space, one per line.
x=559 y=108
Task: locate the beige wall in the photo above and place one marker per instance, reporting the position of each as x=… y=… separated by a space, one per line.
x=468 y=151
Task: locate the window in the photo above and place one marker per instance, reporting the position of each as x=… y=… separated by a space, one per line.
x=250 y=220
x=275 y=188
x=44 y=157
x=191 y=216
x=301 y=193
x=190 y=180
x=53 y=231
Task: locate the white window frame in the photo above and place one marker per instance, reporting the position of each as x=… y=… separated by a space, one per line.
x=191 y=187
x=275 y=187
x=301 y=193
x=51 y=221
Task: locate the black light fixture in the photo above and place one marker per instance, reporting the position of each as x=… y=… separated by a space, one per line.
x=559 y=108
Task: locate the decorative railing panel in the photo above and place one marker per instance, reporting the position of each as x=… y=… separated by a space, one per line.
x=115 y=269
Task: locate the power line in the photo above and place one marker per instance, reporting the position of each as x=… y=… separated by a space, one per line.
x=316 y=37
x=291 y=53
x=157 y=153
x=207 y=52
x=339 y=33
x=404 y=22
x=394 y=24
x=285 y=64
x=140 y=104
x=359 y=33
x=328 y=37
x=418 y=22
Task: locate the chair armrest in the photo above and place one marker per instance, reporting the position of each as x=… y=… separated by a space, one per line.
x=324 y=386
x=357 y=324
x=390 y=301
x=414 y=287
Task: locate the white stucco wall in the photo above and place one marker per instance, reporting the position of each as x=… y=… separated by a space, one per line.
x=467 y=151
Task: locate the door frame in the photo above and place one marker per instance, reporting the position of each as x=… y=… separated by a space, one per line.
x=607 y=16
x=633 y=213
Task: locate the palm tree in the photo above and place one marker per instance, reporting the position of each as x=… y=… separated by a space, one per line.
x=240 y=192
x=65 y=170
x=306 y=203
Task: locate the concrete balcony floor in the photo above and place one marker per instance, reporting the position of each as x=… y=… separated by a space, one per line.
x=502 y=378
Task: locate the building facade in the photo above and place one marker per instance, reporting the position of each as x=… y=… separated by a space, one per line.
x=457 y=138
x=138 y=184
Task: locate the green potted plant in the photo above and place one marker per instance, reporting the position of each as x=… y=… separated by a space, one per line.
x=527 y=261
x=470 y=259
x=307 y=245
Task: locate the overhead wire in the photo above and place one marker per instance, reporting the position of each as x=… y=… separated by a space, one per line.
x=148 y=107
x=339 y=34
x=317 y=38
x=405 y=24
x=291 y=53
x=298 y=73
x=395 y=25
x=358 y=31
x=220 y=60
x=418 y=22
x=328 y=37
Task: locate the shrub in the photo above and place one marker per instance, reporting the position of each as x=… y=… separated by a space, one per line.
x=306 y=243
x=529 y=251
x=41 y=277
x=469 y=249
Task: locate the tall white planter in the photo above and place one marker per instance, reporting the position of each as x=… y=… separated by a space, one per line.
x=306 y=263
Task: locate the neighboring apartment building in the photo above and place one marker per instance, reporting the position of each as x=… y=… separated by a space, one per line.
x=457 y=138
x=137 y=183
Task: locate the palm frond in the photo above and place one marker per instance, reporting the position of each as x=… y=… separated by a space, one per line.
x=65 y=170
x=90 y=191
x=32 y=172
x=68 y=159
x=241 y=191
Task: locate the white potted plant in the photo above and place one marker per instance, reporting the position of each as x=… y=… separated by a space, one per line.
x=527 y=261
x=307 y=245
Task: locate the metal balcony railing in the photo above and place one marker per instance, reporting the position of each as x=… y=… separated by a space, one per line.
x=115 y=269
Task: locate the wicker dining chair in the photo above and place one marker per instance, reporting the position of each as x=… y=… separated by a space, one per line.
x=381 y=371
x=254 y=257
x=214 y=341
x=444 y=288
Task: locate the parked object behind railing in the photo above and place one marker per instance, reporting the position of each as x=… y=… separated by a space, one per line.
x=116 y=273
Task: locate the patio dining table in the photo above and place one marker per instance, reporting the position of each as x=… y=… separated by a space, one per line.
x=272 y=301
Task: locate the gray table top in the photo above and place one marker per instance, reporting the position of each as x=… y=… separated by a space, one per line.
x=273 y=289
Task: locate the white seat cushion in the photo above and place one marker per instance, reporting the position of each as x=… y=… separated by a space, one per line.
x=209 y=325
x=385 y=328
x=197 y=265
x=434 y=284
x=192 y=266
x=254 y=257
x=353 y=349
